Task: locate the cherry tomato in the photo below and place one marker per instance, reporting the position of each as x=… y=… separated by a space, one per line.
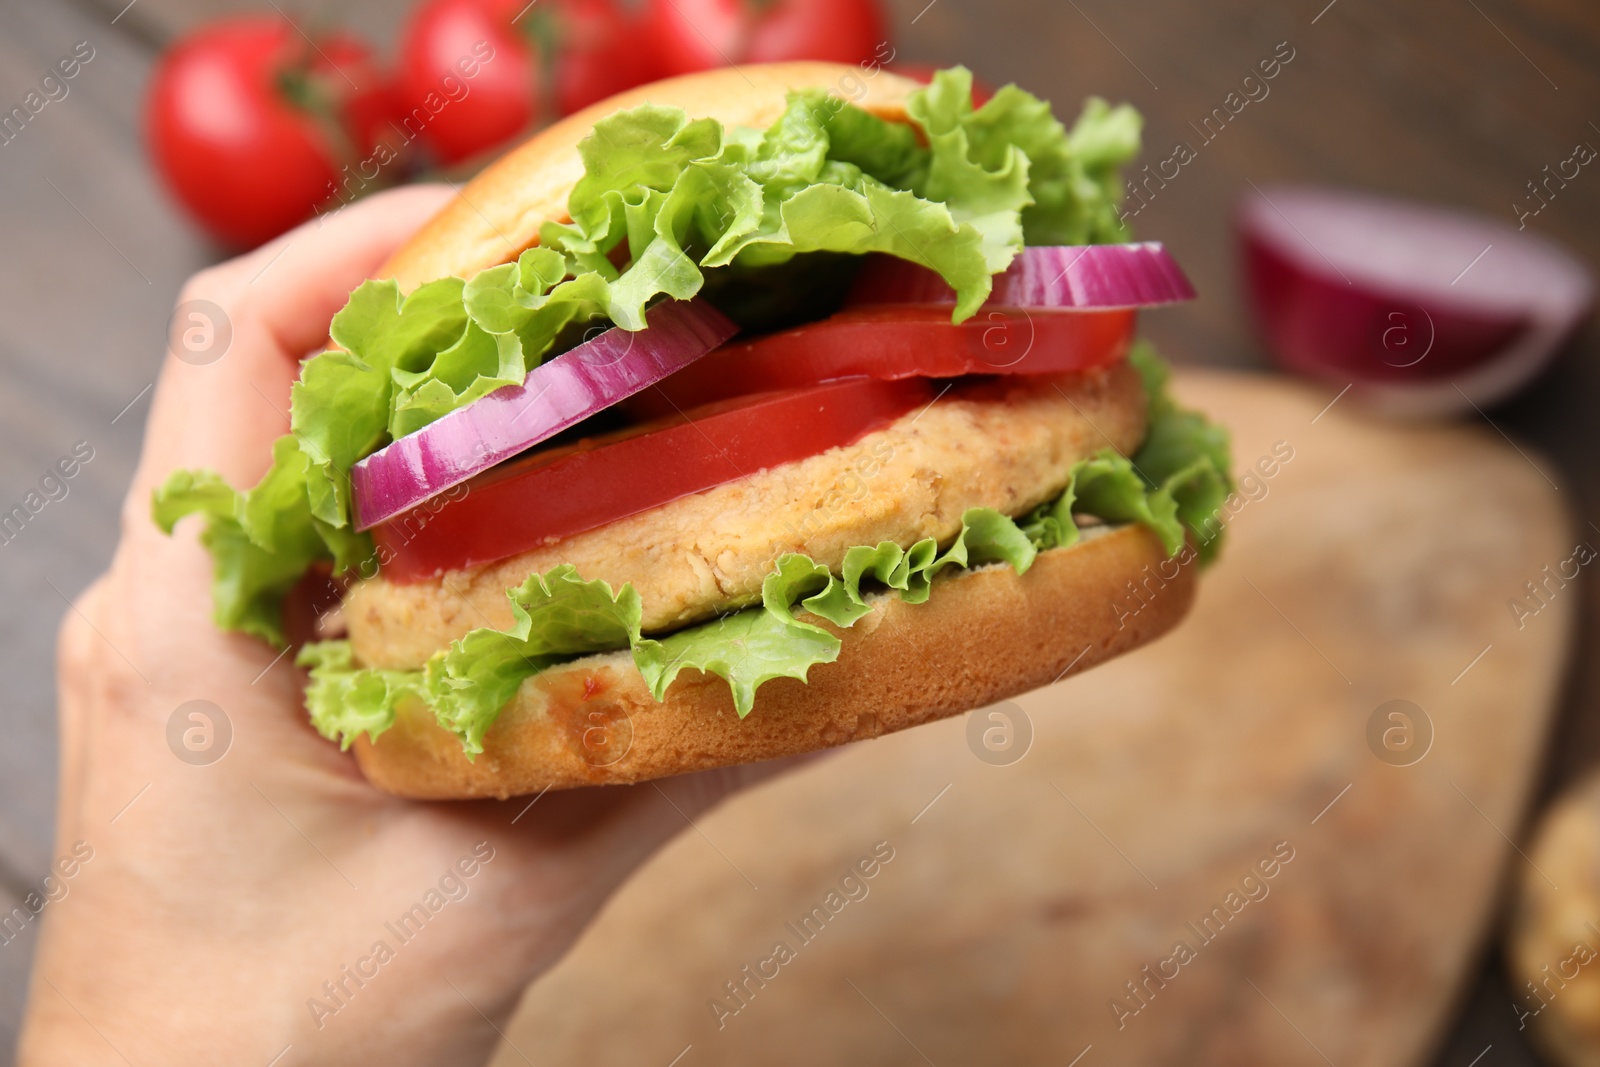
x=477 y=73
x=899 y=342
x=691 y=35
x=252 y=124
x=595 y=51
x=559 y=492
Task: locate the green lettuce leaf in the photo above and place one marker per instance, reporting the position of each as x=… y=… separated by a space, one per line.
x=340 y=407
x=1172 y=486
x=751 y=647
x=686 y=197
x=261 y=541
x=1073 y=187
x=346 y=701
x=1185 y=454
x=557 y=616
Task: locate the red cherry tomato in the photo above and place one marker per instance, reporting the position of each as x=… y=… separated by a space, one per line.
x=899 y=342
x=251 y=124
x=476 y=73
x=691 y=35
x=548 y=495
x=595 y=48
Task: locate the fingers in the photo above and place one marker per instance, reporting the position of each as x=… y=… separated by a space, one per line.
x=693 y=794
x=241 y=328
x=77 y=653
x=297 y=283
x=609 y=831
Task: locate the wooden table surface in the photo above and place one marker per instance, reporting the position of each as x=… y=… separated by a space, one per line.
x=1456 y=101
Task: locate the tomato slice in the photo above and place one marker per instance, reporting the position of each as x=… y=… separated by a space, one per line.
x=556 y=493
x=899 y=342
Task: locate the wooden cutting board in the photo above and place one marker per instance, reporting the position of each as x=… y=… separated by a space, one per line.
x=1228 y=848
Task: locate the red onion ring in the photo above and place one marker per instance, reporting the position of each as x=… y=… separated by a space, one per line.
x=1423 y=311
x=1041 y=278
x=556 y=395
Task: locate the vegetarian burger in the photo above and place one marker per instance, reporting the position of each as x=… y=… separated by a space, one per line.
x=729 y=419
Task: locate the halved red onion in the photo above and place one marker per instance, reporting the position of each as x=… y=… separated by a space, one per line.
x=558 y=394
x=1041 y=278
x=1422 y=310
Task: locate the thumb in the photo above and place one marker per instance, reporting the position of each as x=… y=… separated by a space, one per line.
x=241 y=328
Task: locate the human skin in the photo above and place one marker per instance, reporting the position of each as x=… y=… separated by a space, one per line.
x=220 y=898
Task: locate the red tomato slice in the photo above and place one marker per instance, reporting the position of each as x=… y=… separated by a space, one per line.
x=553 y=494
x=898 y=342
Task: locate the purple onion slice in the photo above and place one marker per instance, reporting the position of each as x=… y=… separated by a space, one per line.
x=1041 y=278
x=556 y=395
x=1418 y=309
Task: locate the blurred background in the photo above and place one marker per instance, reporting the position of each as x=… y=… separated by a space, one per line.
x=1483 y=106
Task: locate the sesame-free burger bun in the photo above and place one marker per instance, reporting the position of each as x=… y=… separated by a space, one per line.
x=983 y=635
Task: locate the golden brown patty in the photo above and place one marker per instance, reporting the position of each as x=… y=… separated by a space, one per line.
x=1006 y=445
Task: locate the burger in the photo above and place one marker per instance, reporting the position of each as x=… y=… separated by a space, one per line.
x=744 y=414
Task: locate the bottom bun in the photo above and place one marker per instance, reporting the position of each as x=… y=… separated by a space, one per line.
x=984 y=635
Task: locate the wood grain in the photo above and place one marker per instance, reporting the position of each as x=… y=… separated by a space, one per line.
x=1021 y=903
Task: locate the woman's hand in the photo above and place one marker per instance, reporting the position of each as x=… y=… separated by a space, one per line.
x=270 y=903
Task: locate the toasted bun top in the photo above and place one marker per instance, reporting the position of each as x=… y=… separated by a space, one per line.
x=498 y=214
